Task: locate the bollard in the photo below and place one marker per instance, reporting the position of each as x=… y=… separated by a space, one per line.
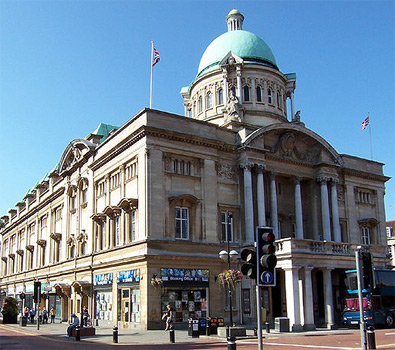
x=371 y=338
x=77 y=333
x=231 y=343
x=208 y=328
x=255 y=332
x=115 y=335
x=267 y=325
x=172 y=336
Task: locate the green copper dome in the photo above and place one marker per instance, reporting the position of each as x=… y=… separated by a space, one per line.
x=243 y=44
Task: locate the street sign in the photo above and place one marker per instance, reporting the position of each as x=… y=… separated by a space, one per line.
x=268 y=279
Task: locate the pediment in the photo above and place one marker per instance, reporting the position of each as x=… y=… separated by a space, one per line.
x=230 y=59
x=76 y=153
x=292 y=142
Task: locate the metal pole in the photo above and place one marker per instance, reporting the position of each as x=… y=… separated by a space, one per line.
x=362 y=325
x=259 y=318
x=228 y=246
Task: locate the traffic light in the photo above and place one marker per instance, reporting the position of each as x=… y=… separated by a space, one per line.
x=266 y=257
x=367 y=271
x=37 y=292
x=249 y=268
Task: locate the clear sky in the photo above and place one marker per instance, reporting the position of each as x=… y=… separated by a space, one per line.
x=66 y=66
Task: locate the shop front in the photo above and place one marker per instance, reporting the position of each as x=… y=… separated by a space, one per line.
x=187 y=292
x=128 y=286
x=102 y=288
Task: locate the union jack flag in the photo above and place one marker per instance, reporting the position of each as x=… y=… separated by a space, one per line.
x=365 y=123
x=156 y=57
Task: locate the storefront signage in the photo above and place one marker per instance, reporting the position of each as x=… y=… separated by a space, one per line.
x=29 y=288
x=102 y=279
x=128 y=276
x=46 y=287
x=184 y=275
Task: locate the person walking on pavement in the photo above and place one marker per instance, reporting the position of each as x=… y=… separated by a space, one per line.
x=168 y=317
x=52 y=314
x=45 y=315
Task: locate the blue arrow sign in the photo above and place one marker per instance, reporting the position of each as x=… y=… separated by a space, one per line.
x=267 y=277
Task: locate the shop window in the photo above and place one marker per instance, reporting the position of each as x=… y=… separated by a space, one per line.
x=220 y=97
x=227 y=226
x=259 y=94
x=188 y=302
x=246 y=92
x=104 y=305
x=182 y=222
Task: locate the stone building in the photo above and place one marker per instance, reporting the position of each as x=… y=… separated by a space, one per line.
x=134 y=217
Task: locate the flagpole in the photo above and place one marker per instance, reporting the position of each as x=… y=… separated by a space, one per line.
x=370 y=139
x=150 y=89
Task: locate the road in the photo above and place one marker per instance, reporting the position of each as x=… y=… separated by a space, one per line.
x=14 y=338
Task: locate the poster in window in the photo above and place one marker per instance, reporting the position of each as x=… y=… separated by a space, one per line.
x=246 y=301
x=197 y=296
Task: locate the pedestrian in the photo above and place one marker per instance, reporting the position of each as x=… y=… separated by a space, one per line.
x=52 y=314
x=45 y=315
x=32 y=315
x=168 y=316
x=76 y=322
x=26 y=312
x=85 y=316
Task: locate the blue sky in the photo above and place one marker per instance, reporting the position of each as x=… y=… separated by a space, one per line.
x=66 y=66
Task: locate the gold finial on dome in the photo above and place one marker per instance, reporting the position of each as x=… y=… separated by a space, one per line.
x=235 y=20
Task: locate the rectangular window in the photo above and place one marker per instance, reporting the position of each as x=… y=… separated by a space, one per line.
x=132 y=226
x=366 y=235
x=259 y=94
x=117 y=231
x=182 y=223
x=227 y=226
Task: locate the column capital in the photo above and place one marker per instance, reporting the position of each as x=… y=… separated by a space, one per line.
x=297 y=179
x=246 y=165
x=261 y=167
x=323 y=178
x=272 y=174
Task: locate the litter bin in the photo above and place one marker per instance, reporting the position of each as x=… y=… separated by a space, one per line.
x=193 y=328
x=202 y=326
x=213 y=325
x=281 y=324
x=23 y=321
x=221 y=322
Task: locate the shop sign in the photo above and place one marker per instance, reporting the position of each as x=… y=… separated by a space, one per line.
x=46 y=287
x=184 y=275
x=29 y=288
x=102 y=279
x=128 y=276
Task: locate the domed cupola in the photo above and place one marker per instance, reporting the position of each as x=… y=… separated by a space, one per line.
x=238 y=83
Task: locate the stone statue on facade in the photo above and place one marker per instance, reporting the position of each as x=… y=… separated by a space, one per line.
x=233 y=108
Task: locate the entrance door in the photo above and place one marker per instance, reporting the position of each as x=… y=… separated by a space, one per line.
x=125 y=307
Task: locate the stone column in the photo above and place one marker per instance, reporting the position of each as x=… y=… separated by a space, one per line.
x=253 y=92
x=298 y=208
x=260 y=189
x=328 y=296
x=292 y=295
x=248 y=204
x=239 y=87
x=326 y=224
x=308 y=301
x=292 y=105
x=273 y=203
x=335 y=212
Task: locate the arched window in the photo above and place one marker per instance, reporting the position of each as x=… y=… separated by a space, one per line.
x=246 y=92
x=269 y=96
x=209 y=100
x=278 y=100
x=259 y=94
x=200 y=104
x=220 y=97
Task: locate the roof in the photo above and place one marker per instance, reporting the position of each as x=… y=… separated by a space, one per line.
x=104 y=130
x=240 y=42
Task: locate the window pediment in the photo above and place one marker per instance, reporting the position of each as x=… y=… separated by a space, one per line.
x=371 y=222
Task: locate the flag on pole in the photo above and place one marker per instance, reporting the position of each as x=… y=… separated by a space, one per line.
x=365 y=123
x=156 y=57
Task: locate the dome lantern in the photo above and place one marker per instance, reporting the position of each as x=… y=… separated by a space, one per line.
x=235 y=20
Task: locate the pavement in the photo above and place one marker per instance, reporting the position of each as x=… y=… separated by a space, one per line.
x=125 y=336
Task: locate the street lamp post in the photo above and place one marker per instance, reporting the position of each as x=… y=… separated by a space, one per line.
x=229 y=255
